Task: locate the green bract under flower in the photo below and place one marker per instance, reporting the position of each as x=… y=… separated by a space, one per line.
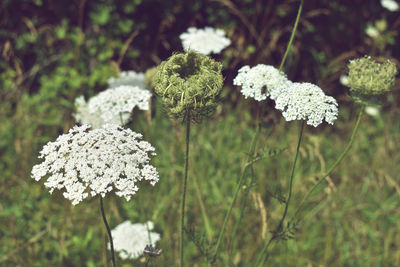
x=189 y=84
x=370 y=78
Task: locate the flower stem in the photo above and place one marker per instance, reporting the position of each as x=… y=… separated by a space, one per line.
x=108 y=231
x=337 y=162
x=184 y=190
x=292 y=35
x=254 y=141
x=246 y=165
x=264 y=252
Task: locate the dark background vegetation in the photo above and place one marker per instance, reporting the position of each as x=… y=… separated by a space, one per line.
x=53 y=51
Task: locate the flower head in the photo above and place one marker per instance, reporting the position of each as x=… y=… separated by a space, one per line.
x=204 y=41
x=113 y=106
x=130 y=240
x=189 y=83
x=368 y=77
x=96 y=162
x=261 y=81
x=390 y=5
x=306 y=101
x=130 y=77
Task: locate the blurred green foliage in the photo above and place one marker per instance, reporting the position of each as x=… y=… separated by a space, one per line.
x=53 y=51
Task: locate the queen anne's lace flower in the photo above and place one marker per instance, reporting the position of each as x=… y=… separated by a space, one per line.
x=204 y=41
x=83 y=115
x=113 y=105
x=261 y=81
x=390 y=5
x=306 y=101
x=130 y=77
x=94 y=162
x=131 y=239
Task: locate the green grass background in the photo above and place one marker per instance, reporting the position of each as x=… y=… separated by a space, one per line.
x=54 y=51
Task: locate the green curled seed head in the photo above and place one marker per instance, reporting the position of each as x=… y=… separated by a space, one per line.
x=189 y=84
x=369 y=78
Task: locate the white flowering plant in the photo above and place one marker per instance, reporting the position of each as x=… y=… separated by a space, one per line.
x=130 y=239
x=205 y=41
x=112 y=106
x=94 y=162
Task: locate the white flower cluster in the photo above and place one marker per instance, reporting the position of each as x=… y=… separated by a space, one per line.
x=131 y=78
x=306 y=101
x=298 y=101
x=204 y=41
x=261 y=81
x=131 y=239
x=113 y=105
x=390 y=5
x=96 y=161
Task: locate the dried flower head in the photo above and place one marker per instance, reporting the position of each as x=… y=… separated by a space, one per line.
x=96 y=162
x=205 y=41
x=368 y=77
x=130 y=240
x=113 y=106
x=130 y=78
x=261 y=81
x=306 y=101
x=189 y=83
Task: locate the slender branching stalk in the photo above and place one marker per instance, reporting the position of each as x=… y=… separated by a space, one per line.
x=239 y=185
x=182 y=246
x=253 y=143
x=337 y=162
x=108 y=231
x=278 y=231
x=292 y=35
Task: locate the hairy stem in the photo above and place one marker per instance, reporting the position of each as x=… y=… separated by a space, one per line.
x=108 y=231
x=182 y=246
x=337 y=162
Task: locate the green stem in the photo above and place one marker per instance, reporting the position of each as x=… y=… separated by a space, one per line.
x=108 y=231
x=292 y=35
x=246 y=165
x=184 y=190
x=337 y=162
x=264 y=252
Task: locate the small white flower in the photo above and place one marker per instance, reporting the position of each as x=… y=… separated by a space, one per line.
x=261 y=81
x=372 y=111
x=372 y=31
x=131 y=239
x=390 y=5
x=344 y=79
x=113 y=106
x=95 y=162
x=131 y=78
x=306 y=101
x=204 y=41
